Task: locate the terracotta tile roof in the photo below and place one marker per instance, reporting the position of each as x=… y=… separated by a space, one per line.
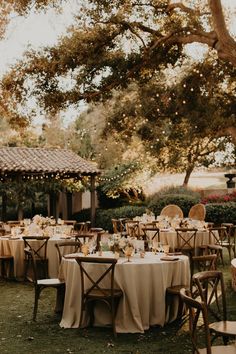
x=37 y=160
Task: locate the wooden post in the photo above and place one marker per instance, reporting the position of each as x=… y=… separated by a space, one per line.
x=20 y=211
x=93 y=207
x=69 y=204
x=4 y=206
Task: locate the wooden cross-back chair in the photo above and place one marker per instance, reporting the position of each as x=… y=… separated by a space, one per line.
x=38 y=247
x=82 y=227
x=197 y=313
x=41 y=284
x=211 y=289
x=228 y=239
x=186 y=240
x=153 y=229
x=204 y=262
x=69 y=222
x=199 y=263
x=67 y=247
x=132 y=228
x=96 y=291
x=217 y=236
x=118 y=226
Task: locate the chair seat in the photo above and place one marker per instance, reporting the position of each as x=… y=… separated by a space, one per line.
x=107 y=293
x=224 y=327
x=219 y=349
x=50 y=282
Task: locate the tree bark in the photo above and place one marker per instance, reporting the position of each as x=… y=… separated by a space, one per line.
x=187 y=175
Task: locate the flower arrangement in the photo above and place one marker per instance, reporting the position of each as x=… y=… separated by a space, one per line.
x=118 y=243
x=42 y=221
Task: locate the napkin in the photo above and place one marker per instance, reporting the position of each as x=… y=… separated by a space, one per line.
x=169 y=258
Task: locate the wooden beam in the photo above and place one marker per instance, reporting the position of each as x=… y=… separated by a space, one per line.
x=93 y=201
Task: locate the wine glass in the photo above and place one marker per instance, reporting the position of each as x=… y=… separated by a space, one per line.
x=92 y=246
x=150 y=245
x=129 y=252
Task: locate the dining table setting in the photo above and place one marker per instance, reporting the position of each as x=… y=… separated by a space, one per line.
x=143 y=278
x=146 y=265
x=163 y=229
x=12 y=242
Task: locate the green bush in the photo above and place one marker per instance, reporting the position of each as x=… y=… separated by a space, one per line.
x=104 y=216
x=185 y=202
x=221 y=212
x=179 y=190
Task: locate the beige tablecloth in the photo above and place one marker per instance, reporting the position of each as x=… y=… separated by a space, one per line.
x=15 y=247
x=169 y=237
x=143 y=282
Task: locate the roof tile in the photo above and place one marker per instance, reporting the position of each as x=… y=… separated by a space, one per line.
x=36 y=160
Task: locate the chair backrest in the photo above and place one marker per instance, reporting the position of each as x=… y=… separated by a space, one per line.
x=117 y=226
x=218 y=234
x=69 y=222
x=211 y=289
x=67 y=247
x=196 y=310
x=231 y=231
x=36 y=244
x=186 y=238
x=30 y=254
x=132 y=228
x=205 y=262
x=197 y=212
x=172 y=210
x=96 y=281
x=82 y=227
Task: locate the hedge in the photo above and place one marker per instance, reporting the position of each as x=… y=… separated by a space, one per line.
x=104 y=216
x=221 y=212
x=185 y=202
x=217 y=213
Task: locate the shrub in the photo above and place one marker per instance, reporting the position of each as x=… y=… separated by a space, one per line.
x=221 y=212
x=104 y=216
x=177 y=190
x=185 y=202
x=216 y=198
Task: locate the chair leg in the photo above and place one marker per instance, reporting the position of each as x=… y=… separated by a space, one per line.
x=36 y=298
x=81 y=314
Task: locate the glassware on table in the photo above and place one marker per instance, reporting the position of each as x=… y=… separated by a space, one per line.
x=92 y=246
x=85 y=249
x=166 y=248
x=128 y=252
x=150 y=245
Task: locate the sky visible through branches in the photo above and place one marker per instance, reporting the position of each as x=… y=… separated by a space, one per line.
x=44 y=29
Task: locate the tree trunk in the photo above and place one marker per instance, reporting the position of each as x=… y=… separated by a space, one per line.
x=187 y=175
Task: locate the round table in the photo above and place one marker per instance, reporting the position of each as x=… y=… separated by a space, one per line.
x=143 y=282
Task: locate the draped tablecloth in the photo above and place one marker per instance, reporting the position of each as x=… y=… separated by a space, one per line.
x=169 y=237
x=143 y=282
x=15 y=247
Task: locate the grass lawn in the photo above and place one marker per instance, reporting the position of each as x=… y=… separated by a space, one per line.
x=19 y=334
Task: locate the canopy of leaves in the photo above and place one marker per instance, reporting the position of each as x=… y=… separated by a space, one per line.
x=111 y=45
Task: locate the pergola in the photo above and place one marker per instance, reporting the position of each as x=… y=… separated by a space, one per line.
x=22 y=163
